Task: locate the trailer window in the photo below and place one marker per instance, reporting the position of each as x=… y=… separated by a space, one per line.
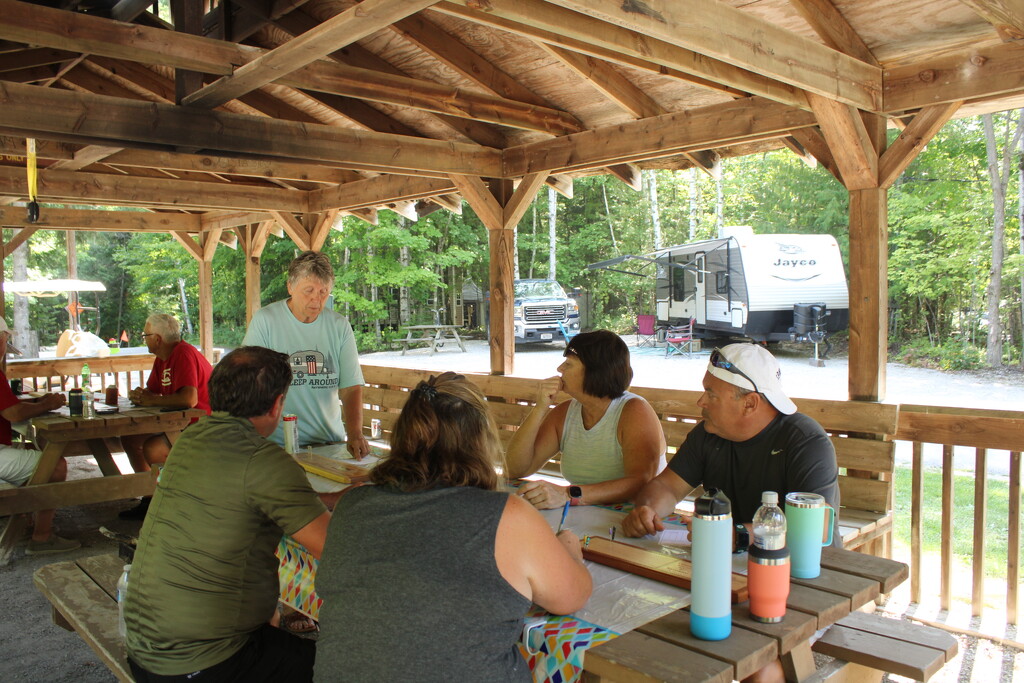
x=722 y=282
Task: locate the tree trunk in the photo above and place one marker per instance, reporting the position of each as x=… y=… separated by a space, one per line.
x=719 y=206
x=404 y=309
x=184 y=305
x=552 y=214
x=999 y=177
x=1020 y=226
x=22 y=333
x=69 y=239
x=533 y=241
x=652 y=192
x=608 y=215
x=694 y=205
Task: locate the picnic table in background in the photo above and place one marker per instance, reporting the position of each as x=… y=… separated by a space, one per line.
x=432 y=335
x=60 y=431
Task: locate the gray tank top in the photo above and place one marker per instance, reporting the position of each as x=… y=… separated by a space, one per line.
x=412 y=592
x=590 y=456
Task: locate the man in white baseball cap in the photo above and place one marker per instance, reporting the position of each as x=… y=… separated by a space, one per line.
x=751 y=439
x=18 y=464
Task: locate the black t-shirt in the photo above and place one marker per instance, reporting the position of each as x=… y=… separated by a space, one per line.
x=793 y=453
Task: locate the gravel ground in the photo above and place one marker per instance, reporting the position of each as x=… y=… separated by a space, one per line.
x=36 y=650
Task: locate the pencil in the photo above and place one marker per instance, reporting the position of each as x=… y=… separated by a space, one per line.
x=565 y=512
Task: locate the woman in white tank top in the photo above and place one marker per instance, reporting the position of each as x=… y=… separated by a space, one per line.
x=610 y=439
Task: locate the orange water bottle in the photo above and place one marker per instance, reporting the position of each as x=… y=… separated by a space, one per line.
x=768 y=562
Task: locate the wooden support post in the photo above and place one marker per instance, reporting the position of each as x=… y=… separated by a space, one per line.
x=254 y=239
x=500 y=208
x=208 y=242
x=869 y=295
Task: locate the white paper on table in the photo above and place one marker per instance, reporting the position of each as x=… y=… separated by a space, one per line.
x=674 y=537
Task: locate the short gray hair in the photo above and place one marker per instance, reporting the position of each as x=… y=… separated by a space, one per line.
x=167 y=326
x=311 y=264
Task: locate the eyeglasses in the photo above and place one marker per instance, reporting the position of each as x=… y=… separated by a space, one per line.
x=148 y=334
x=720 y=361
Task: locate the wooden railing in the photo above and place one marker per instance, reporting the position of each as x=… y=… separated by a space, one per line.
x=59 y=374
x=982 y=430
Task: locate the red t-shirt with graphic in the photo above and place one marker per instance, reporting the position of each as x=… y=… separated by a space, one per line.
x=185 y=368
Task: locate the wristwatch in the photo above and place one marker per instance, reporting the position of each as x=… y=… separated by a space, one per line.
x=575 y=495
x=742 y=539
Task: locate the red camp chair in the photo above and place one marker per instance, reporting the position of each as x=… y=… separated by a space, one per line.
x=679 y=337
x=646 y=332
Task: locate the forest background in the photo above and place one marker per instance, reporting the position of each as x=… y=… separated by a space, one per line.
x=956 y=253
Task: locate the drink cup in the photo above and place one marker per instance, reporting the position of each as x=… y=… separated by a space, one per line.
x=807 y=531
x=768 y=583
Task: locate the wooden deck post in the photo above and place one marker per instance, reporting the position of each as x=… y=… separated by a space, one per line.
x=254 y=239
x=500 y=208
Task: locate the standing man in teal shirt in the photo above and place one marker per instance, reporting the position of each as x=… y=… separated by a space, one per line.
x=322 y=352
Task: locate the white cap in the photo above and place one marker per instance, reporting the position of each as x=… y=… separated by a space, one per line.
x=769 y=498
x=751 y=367
x=11 y=348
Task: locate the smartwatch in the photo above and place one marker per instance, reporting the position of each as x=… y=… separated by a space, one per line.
x=575 y=495
x=742 y=539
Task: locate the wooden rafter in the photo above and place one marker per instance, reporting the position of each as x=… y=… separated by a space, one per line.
x=735 y=37
x=347 y=27
x=608 y=82
x=541 y=21
x=373 y=192
x=833 y=28
x=1006 y=16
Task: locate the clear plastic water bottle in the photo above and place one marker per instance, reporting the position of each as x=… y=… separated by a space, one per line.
x=88 y=405
x=122 y=595
x=769 y=523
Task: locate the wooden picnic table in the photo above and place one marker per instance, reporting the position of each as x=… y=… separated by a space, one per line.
x=848 y=581
x=59 y=431
x=433 y=335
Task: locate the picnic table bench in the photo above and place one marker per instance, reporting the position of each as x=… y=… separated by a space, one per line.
x=83 y=595
x=432 y=335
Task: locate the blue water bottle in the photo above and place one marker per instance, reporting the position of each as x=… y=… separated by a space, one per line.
x=711 y=553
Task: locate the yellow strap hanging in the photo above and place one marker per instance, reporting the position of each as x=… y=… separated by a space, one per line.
x=30 y=167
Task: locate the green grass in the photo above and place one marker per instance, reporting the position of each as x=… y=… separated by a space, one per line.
x=963 y=517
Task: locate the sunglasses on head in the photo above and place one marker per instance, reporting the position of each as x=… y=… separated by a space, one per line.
x=720 y=361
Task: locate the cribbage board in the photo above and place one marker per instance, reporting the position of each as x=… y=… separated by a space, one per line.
x=651 y=564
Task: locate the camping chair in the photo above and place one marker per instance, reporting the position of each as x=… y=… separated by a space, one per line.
x=679 y=337
x=646 y=332
x=567 y=334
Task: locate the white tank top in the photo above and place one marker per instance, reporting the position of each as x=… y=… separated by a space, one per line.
x=590 y=456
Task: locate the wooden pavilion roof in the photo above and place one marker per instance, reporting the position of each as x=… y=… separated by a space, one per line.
x=294 y=111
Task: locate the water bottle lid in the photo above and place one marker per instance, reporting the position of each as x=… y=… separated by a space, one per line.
x=769 y=498
x=714 y=503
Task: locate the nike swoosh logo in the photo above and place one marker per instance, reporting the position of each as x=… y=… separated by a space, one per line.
x=776 y=451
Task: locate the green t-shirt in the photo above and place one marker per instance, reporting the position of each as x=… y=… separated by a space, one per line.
x=205 y=574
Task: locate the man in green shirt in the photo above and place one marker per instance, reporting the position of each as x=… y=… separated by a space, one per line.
x=203 y=587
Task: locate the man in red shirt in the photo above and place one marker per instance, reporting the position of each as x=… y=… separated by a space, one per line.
x=178 y=380
x=17 y=465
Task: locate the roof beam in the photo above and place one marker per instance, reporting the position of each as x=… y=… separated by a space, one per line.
x=97 y=219
x=255 y=168
x=739 y=38
x=95 y=188
x=106 y=120
x=912 y=140
x=609 y=82
x=696 y=129
x=374 y=192
x=355 y=23
x=976 y=74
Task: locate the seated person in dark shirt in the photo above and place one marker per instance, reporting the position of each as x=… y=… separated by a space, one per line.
x=751 y=440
